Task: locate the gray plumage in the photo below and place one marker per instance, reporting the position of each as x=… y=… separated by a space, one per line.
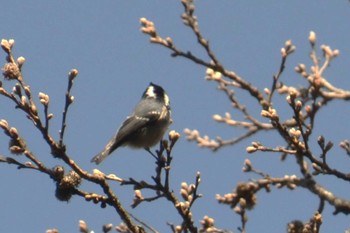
x=145 y=127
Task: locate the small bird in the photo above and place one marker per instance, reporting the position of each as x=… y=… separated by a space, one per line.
x=145 y=127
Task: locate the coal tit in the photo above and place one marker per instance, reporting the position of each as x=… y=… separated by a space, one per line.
x=145 y=127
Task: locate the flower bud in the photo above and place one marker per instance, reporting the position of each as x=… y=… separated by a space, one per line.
x=169 y=41
x=11 y=43
x=138 y=194
x=72 y=74
x=14 y=132
x=4 y=124
x=327 y=50
x=83 y=226
x=336 y=53
x=20 y=61
x=217 y=117
x=5 y=45
x=107 y=227
x=173 y=135
x=312 y=38
x=44 y=99
x=251 y=149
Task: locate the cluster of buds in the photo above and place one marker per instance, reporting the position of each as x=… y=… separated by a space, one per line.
x=296 y=226
x=213 y=75
x=290 y=90
x=301 y=69
x=296 y=104
x=255 y=146
x=288 y=181
x=83 y=227
x=44 y=98
x=295 y=138
x=66 y=186
x=293 y=93
x=287 y=49
x=149 y=29
x=191 y=134
x=246 y=192
x=23 y=102
x=7 y=45
x=328 y=52
x=326 y=147
x=12 y=69
x=208 y=224
x=271 y=113
x=16 y=145
x=188 y=17
x=311 y=226
x=244 y=195
x=187 y=192
x=226 y=119
x=294 y=134
x=228 y=198
x=96 y=198
x=205 y=141
x=174 y=136
x=345 y=144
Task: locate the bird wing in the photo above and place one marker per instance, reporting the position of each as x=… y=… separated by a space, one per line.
x=129 y=126
x=134 y=123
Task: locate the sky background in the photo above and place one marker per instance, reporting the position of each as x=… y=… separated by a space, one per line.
x=116 y=62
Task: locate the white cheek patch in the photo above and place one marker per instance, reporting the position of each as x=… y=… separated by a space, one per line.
x=166 y=100
x=150 y=92
x=164 y=113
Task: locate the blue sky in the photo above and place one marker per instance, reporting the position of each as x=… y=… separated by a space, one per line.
x=116 y=62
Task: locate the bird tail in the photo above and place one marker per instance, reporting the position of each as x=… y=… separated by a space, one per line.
x=109 y=148
x=100 y=157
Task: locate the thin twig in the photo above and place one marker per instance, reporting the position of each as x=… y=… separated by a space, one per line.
x=68 y=101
